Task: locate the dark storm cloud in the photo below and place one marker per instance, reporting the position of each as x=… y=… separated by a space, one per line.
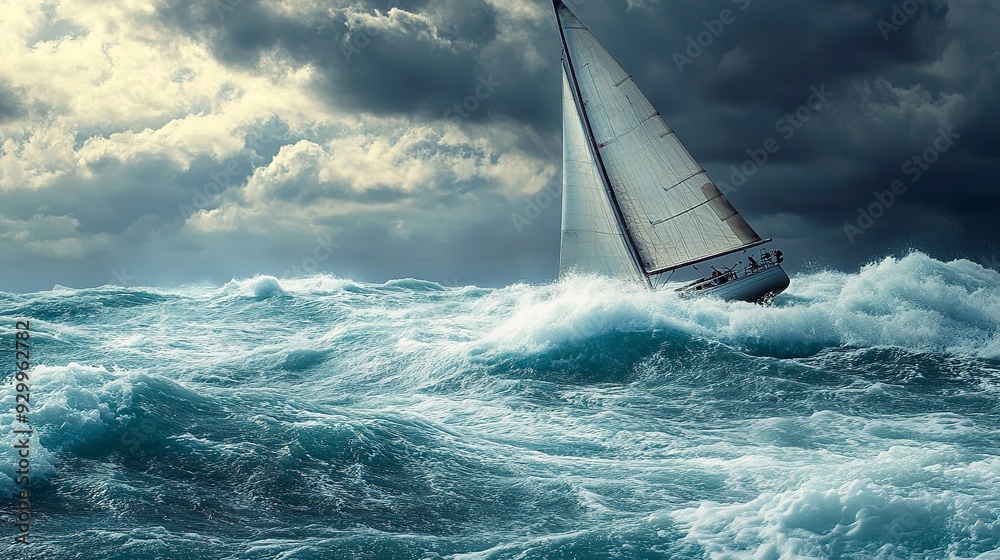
x=119 y=195
x=894 y=86
x=892 y=67
x=400 y=69
x=784 y=50
x=10 y=103
x=137 y=203
x=418 y=66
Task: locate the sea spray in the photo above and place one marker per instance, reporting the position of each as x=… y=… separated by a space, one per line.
x=322 y=417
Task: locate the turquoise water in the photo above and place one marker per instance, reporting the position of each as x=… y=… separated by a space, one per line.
x=327 y=418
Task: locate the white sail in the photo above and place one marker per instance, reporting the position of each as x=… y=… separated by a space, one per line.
x=674 y=215
x=591 y=241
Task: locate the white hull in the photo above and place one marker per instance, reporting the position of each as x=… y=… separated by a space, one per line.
x=754 y=286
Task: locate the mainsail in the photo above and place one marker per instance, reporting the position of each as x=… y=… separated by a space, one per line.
x=635 y=203
x=591 y=237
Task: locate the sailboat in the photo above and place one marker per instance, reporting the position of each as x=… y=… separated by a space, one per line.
x=636 y=205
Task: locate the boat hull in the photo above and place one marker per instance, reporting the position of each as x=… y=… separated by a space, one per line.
x=754 y=287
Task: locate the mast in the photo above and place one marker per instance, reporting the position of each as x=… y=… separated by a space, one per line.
x=605 y=179
x=668 y=213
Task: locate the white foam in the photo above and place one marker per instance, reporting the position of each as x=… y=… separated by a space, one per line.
x=70 y=405
x=75 y=403
x=263 y=287
x=893 y=498
x=914 y=302
x=318 y=284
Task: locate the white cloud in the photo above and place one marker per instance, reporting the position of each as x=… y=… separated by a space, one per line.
x=118 y=110
x=32 y=158
x=52 y=236
x=306 y=183
x=139 y=91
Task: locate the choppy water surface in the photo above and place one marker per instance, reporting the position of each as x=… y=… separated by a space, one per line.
x=325 y=418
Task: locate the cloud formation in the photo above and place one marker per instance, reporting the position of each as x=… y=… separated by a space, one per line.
x=191 y=140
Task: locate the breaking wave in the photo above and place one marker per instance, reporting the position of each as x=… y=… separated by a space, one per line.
x=322 y=417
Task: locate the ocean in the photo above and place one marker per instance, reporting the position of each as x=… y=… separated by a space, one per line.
x=325 y=418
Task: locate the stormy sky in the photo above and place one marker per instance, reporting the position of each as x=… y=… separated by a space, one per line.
x=174 y=141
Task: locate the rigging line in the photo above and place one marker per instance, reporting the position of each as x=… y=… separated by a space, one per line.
x=661 y=281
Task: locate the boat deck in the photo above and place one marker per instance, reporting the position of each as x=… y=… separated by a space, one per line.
x=751 y=284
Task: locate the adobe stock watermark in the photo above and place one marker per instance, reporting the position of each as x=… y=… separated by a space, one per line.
x=787 y=126
x=136 y=435
x=901 y=15
x=463 y=110
x=914 y=169
x=696 y=44
x=122 y=278
x=536 y=206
